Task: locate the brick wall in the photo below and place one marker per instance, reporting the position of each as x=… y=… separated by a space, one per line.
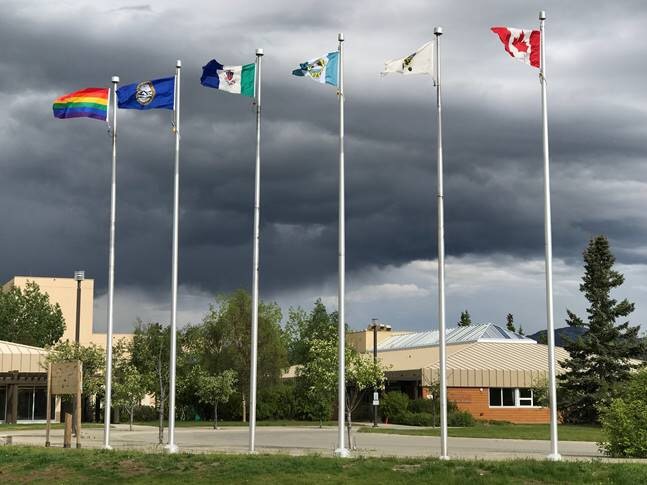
x=476 y=401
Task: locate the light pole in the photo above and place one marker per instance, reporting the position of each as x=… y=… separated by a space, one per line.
x=79 y=276
x=375 y=325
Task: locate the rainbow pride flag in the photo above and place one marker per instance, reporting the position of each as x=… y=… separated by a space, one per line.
x=85 y=103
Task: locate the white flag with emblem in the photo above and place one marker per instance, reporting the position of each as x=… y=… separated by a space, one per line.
x=420 y=62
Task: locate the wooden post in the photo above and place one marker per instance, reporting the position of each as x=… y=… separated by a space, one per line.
x=67 y=434
x=78 y=406
x=49 y=403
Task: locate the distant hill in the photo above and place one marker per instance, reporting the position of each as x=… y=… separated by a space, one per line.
x=569 y=332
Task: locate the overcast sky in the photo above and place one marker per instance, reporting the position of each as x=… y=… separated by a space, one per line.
x=54 y=188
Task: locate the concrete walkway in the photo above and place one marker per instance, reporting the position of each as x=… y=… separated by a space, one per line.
x=312 y=440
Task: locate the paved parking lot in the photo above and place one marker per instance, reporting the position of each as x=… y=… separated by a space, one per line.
x=312 y=440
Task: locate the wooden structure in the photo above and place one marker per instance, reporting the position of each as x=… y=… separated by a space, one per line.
x=65 y=378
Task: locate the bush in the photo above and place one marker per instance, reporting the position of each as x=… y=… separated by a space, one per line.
x=277 y=402
x=143 y=413
x=414 y=419
x=460 y=419
x=624 y=421
x=393 y=404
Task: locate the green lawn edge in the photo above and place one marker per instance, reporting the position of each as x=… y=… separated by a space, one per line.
x=30 y=464
x=502 y=431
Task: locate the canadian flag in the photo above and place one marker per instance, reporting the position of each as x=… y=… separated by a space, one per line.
x=520 y=44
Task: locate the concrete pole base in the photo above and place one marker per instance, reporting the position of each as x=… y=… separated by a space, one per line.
x=171 y=449
x=554 y=457
x=342 y=453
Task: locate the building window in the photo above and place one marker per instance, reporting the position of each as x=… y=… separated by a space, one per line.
x=510 y=397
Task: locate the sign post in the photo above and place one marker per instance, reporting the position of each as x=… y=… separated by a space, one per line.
x=65 y=378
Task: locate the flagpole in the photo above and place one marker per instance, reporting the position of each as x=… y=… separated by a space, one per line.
x=111 y=272
x=171 y=447
x=438 y=31
x=341 y=450
x=552 y=385
x=257 y=207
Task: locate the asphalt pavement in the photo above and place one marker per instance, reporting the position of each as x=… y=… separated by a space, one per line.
x=311 y=440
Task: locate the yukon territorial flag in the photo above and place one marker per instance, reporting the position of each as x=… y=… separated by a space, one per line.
x=233 y=79
x=155 y=94
x=85 y=103
x=420 y=62
x=520 y=44
x=323 y=69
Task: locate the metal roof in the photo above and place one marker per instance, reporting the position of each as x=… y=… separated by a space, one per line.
x=487 y=332
x=23 y=358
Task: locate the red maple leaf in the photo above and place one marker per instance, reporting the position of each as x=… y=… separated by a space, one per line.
x=520 y=44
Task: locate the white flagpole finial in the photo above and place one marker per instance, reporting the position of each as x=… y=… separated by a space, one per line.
x=438 y=30
x=542 y=15
x=259 y=52
x=178 y=63
x=115 y=79
x=340 y=37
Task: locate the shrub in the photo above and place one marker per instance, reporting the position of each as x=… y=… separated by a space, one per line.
x=277 y=402
x=414 y=419
x=393 y=404
x=145 y=413
x=624 y=421
x=460 y=419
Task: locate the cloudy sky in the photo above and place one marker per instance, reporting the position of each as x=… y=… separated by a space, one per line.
x=54 y=188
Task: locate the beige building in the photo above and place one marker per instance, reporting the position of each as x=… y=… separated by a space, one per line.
x=64 y=292
x=491 y=372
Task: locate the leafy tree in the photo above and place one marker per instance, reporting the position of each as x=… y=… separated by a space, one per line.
x=510 y=322
x=320 y=371
x=27 y=317
x=600 y=360
x=92 y=358
x=128 y=384
x=214 y=389
x=302 y=328
x=227 y=340
x=150 y=356
x=93 y=361
x=624 y=420
x=465 y=320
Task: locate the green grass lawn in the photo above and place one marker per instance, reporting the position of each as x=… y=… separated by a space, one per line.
x=565 y=432
x=40 y=465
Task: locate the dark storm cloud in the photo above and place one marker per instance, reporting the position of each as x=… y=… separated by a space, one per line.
x=54 y=189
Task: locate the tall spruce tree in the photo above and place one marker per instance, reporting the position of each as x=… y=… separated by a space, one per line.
x=600 y=359
x=465 y=320
x=509 y=319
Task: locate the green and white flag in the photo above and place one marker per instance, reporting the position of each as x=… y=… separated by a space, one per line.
x=233 y=79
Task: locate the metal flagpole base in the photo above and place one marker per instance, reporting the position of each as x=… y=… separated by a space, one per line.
x=106 y=447
x=554 y=457
x=444 y=457
x=342 y=453
x=252 y=452
x=172 y=449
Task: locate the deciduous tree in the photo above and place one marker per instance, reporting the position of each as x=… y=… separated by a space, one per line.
x=27 y=317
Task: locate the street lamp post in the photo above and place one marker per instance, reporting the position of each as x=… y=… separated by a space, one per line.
x=374 y=323
x=79 y=276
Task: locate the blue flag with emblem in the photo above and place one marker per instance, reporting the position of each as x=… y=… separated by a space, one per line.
x=324 y=69
x=155 y=94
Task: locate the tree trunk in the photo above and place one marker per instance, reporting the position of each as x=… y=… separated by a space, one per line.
x=215 y=415
x=244 y=409
x=132 y=413
x=161 y=424
x=349 y=426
